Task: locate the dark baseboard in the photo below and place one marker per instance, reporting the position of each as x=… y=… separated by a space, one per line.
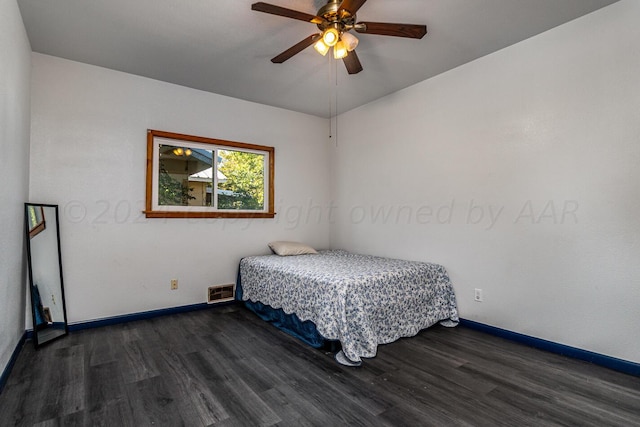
x=7 y=370
x=621 y=365
x=143 y=315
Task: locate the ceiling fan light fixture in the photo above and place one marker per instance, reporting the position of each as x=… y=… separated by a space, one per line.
x=335 y=20
x=340 y=50
x=350 y=41
x=330 y=36
x=321 y=47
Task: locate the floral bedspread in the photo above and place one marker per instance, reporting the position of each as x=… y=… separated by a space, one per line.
x=360 y=300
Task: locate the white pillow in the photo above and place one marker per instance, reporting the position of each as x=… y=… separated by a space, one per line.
x=291 y=248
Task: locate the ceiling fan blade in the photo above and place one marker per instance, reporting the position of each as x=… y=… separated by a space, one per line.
x=287 y=13
x=352 y=5
x=386 y=29
x=295 y=49
x=352 y=62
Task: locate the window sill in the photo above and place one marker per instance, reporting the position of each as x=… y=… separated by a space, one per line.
x=163 y=214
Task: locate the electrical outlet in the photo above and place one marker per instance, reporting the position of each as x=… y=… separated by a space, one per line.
x=174 y=284
x=477 y=296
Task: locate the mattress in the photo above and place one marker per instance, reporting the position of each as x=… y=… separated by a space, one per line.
x=361 y=300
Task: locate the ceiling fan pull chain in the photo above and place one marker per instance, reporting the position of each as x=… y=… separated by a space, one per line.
x=334 y=69
x=330 y=98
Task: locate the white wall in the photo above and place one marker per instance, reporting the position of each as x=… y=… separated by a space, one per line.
x=88 y=155
x=15 y=54
x=545 y=127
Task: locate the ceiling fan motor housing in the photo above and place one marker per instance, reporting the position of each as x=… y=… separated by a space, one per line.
x=341 y=20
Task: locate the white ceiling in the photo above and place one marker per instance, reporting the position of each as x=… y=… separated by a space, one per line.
x=224 y=47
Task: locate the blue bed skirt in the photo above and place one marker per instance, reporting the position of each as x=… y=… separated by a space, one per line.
x=305 y=331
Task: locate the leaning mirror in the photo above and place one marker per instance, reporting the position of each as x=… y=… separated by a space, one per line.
x=45 y=273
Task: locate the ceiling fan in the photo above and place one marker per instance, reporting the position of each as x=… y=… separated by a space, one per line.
x=335 y=20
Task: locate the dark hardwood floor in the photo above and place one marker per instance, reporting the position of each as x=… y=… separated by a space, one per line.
x=226 y=367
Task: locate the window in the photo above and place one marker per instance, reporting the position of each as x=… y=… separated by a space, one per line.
x=196 y=177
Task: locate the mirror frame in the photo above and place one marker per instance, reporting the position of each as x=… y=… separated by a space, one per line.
x=29 y=233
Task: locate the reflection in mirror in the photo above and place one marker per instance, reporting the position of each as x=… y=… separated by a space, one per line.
x=45 y=273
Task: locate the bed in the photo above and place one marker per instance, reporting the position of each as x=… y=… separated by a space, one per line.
x=359 y=300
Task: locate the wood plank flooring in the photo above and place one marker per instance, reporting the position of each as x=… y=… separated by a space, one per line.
x=226 y=367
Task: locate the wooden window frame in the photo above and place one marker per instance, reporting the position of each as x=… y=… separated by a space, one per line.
x=183 y=140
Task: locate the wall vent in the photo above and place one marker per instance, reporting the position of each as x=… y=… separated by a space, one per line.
x=220 y=293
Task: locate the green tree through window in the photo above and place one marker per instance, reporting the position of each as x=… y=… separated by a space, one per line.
x=171 y=191
x=244 y=184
